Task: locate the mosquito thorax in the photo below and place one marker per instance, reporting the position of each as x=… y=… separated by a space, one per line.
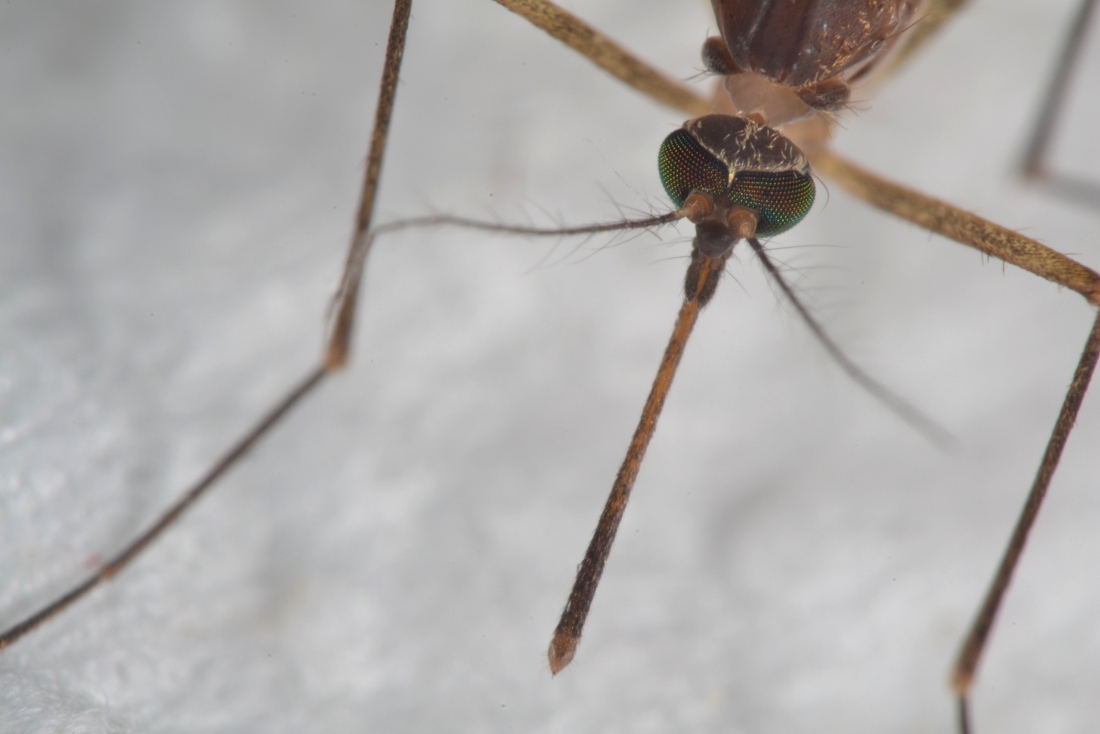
x=787 y=60
x=805 y=43
x=742 y=163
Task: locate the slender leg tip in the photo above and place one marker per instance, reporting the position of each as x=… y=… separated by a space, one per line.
x=561 y=653
x=964 y=716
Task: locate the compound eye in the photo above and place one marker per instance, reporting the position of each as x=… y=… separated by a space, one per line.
x=687 y=166
x=780 y=198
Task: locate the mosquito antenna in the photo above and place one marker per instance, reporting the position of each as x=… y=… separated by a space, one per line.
x=450 y=220
x=923 y=424
x=340 y=310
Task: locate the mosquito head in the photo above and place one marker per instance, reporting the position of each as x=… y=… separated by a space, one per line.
x=740 y=163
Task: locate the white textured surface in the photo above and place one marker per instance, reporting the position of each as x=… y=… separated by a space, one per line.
x=176 y=182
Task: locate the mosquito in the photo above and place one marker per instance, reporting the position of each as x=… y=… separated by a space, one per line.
x=397 y=553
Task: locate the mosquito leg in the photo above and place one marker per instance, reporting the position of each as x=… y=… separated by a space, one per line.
x=1054 y=101
x=1050 y=110
x=608 y=55
x=962 y=676
x=963 y=709
x=937 y=216
x=300 y=390
x=962 y=226
x=168 y=518
x=344 y=302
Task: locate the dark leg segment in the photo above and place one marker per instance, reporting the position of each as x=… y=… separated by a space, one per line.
x=1053 y=103
x=335 y=356
x=966 y=664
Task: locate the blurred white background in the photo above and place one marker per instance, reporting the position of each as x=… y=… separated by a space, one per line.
x=176 y=186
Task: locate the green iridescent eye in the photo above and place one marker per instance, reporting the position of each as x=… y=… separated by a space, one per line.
x=772 y=176
x=687 y=166
x=780 y=198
